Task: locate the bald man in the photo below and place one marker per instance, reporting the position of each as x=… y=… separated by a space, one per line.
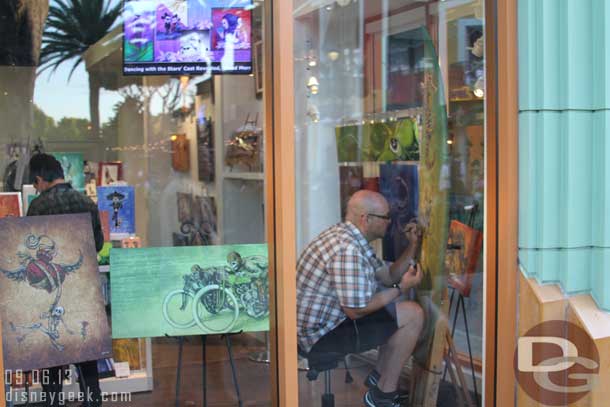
x=348 y=299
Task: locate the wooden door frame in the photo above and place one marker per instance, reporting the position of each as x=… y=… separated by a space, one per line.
x=502 y=202
x=501 y=205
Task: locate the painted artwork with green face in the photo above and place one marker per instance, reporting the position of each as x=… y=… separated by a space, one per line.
x=198 y=290
x=74 y=169
x=379 y=141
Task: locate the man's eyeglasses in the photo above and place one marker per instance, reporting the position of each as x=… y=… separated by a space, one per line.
x=384 y=217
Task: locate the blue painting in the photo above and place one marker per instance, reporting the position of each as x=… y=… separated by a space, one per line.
x=74 y=169
x=120 y=202
x=399 y=185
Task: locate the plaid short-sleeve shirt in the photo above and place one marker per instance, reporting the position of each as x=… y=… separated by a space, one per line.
x=337 y=269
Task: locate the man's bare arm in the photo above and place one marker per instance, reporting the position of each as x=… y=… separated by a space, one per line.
x=409 y=279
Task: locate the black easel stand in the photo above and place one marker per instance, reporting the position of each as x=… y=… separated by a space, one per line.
x=473 y=209
x=181 y=340
x=83 y=383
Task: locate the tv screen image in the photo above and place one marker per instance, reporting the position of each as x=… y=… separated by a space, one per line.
x=187 y=37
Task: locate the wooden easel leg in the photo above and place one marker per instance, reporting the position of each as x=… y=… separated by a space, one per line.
x=452 y=356
x=428 y=382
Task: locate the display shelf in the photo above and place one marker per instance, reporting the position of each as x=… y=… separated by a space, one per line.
x=246 y=176
x=137 y=382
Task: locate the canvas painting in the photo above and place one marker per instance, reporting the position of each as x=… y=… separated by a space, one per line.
x=399 y=185
x=463 y=251
x=52 y=309
x=10 y=204
x=351 y=181
x=119 y=202
x=109 y=173
x=197 y=218
x=127 y=350
x=74 y=169
x=189 y=290
x=392 y=140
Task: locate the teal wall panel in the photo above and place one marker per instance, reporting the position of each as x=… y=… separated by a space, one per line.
x=564 y=146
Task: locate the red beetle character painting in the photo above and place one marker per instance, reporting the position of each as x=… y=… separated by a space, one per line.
x=40 y=272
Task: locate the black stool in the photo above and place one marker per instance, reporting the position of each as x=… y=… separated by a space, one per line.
x=323 y=362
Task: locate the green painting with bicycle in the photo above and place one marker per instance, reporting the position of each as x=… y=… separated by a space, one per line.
x=197 y=290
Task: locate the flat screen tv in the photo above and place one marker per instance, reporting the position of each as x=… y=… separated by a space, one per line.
x=187 y=37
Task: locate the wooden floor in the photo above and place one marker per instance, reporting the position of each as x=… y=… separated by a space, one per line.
x=253 y=378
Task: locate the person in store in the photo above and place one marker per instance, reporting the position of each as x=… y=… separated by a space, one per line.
x=57 y=197
x=349 y=300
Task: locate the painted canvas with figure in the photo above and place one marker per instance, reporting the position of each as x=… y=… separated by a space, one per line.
x=52 y=309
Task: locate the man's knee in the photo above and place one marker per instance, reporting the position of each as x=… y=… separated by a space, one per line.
x=410 y=313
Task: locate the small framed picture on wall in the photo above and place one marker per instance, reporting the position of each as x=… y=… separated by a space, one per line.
x=109 y=172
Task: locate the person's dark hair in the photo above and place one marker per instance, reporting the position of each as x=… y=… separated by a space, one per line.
x=46 y=167
x=231 y=21
x=474 y=36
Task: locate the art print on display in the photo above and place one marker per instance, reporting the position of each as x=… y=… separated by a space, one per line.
x=463 y=251
x=189 y=290
x=10 y=204
x=197 y=218
x=52 y=308
x=109 y=173
x=119 y=202
x=405 y=70
x=399 y=185
x=388 y=140
x=74 y=169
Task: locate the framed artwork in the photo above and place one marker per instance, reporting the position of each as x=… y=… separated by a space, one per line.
x=405 y=70
x=109 y=172
x=10 y=204
x=55 y=270
x=74 y=169
x=180 y=153
x=119 y=202
x=396 y=140
x=259 y=79
x=174 y=297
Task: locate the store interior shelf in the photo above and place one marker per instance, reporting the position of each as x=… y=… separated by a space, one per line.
x=249 y=176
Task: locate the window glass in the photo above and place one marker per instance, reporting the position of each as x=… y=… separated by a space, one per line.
x=390 y=142
x=155 y=111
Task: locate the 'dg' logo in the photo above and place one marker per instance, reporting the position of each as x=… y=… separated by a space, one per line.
x=556 y=363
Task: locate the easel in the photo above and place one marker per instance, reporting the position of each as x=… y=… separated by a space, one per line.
x=473 y=209
x=181 y=340
x=425 y=382
x=425 y=389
